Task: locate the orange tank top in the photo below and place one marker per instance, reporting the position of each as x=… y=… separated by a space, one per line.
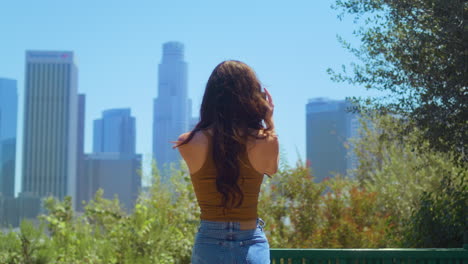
x=209 y=199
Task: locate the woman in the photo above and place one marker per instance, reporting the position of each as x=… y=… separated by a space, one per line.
x=227 y=154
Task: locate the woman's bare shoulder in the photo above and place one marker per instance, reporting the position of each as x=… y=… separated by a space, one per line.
x=263 y=142
x=194 y=151
x=197 y=139
x=264 y=152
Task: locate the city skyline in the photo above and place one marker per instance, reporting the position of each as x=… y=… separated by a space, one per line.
x=54 y=124
x=173 y=50
x=117 y=46
x=52 y=87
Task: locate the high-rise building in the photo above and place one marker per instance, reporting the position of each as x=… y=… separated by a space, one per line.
x=8 y=121
x=172 y=107
x=50 y=125
x=116 y=174
x=9 y=213
x=80 y=156
x=115 y=132
x=114 y=166
x=352 y=161
x=329 y=126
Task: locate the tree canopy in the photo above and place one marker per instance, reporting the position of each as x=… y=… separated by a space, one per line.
x=416 y=53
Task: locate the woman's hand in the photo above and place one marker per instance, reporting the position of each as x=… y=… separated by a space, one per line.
x=271 y=106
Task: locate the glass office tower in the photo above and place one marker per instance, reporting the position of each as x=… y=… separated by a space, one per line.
x=50 y=124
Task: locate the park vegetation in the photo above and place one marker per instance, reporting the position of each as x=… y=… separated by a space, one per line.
x=409 y=189
x=399 y=196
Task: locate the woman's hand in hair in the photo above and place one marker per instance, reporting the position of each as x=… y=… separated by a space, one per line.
x=270 y=103
x=271 y=106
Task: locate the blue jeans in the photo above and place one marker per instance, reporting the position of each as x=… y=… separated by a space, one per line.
x=225 y=243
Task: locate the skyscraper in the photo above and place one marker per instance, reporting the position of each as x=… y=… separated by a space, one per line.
x=172 y=107
x=8 y=121
x=114 y=166
x=50 y=124
x=80 y=156
x=328 y=129
x=115 y=132
x=114 y=173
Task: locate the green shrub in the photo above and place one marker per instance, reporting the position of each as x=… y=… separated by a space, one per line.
x=440 y=218
x=402 y=194
x=335 y=213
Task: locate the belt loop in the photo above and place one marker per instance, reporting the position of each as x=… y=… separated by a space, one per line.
x=261 y=223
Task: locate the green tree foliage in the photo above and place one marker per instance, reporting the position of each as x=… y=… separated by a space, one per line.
x=403 y=194
x=160 y=229
x=412 y=183
x=336 y=213
x=416 y=53
x=29 y=246
x=440 y=218
x=393 y=167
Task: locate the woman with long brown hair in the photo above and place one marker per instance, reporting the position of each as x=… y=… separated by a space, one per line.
x=227 y=154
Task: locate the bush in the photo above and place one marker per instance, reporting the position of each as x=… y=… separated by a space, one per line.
x=403 y=194
x=440 y=218
x=159 y=230
x=336 y=213
x=400 y=170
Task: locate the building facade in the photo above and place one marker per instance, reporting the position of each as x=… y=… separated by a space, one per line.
x=172 y=108
x=329 y=127
x=116 y=174
x=80 y=155
x=115 y=132
x=8 y=123
x=50 y=125
x=114 y=166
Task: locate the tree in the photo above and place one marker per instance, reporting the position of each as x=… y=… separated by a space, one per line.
x=401 y=169
x=335 y=213
x=440 y=218
x=416 y=53
x=160 y=229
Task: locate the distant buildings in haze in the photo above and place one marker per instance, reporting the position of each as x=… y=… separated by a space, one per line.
x=172 y=108
x=80 y=156
x=114 y=165
x=8 y=121
x=50 y=124
x=115 y=132
x=329 y=126
x=49 y=134
x=116 y=174
x=54 y=162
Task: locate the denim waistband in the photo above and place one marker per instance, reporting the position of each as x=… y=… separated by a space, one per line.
x=229 y=231
x=226 y=225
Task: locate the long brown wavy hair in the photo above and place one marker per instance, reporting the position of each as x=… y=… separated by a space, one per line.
x=233 y=106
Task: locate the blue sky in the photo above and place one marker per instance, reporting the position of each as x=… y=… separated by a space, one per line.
x=118 y=46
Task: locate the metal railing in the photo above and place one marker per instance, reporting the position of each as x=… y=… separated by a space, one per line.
x=370 y=256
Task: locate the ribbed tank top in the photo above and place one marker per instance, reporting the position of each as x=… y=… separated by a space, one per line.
x=209 y=199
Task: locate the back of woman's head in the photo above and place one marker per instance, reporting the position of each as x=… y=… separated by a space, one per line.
x=233 y=97
x=234 y=107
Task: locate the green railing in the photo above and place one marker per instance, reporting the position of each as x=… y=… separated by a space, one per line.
x=370 y=256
